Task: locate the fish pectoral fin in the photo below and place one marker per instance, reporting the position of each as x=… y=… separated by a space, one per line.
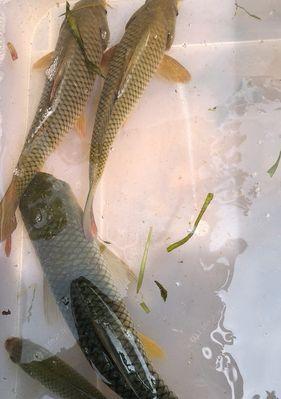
x=44 y=62
x=106 y=58
x=152 y=349
x=172 y=70
x=131 y=59
x=80 y=125
x=121 y=273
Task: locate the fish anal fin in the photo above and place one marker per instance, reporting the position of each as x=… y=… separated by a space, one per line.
x=80 y=125
x=44 y=62
x=172 y=70
x=152 y=349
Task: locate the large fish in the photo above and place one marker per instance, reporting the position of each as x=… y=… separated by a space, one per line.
x=69 y=81
x=53 y=220
x=53 y=373
x=140 y=53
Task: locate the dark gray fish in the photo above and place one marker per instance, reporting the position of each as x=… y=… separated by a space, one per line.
x=53 y=220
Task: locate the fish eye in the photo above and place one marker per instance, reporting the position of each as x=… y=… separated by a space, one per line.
x=39 y=218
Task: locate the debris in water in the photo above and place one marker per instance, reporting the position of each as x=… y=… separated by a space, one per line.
x=271 y=171
x=145 y=307
x=144 y=260
x=13 y=51
x=6 y=312
x=237 y=6
x=177 y=244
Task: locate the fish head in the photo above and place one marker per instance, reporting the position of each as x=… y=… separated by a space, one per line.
x=98 y=7
x=167 y=12
x=44 y=206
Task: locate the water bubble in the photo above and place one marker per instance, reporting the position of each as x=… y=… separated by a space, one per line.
x=207 y=353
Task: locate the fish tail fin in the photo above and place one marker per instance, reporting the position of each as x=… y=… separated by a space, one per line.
x=89 y=223
x=8 y=208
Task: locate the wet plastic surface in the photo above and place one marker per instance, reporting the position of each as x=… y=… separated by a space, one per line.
x=221 y=324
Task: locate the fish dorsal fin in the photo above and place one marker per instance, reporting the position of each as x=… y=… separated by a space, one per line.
x=132 y=57
x=152 y=349
x=172 y=70
x=44 y=62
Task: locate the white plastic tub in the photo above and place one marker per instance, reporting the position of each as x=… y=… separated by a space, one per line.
x=221 y=325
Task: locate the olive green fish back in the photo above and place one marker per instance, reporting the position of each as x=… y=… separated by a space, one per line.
x=68 y=85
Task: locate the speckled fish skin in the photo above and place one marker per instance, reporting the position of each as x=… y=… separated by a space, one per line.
x=53 y=220
x=149 y=33
x=68 y=86
x=53 y=373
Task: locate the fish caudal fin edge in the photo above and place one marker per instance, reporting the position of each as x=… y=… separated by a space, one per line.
x=8 y=208
x=89 y=223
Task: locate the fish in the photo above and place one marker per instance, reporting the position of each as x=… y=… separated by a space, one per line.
x=94 y=314
x=68 y=85
x=53 y=220
x=52 y=372
x=132 y=64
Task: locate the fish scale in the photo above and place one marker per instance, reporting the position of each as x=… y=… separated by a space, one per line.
x=59 y=109
x=53 y=220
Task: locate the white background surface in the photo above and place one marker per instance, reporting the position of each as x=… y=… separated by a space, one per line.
x=221 y=324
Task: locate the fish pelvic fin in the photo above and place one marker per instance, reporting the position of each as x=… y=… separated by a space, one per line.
x=44 y=62
x=152 y=349
x=8 y=208
x=89 y=223
x=170 y=69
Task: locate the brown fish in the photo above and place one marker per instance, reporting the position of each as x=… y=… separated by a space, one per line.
x=69 y=81
x=141 y=51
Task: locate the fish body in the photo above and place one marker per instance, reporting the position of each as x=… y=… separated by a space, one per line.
x=68 y=85
x=53 y=220
x=53 y=373
x=149 y=33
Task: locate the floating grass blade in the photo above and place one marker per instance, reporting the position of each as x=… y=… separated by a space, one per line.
x=271 y=171
x=77 y=35
x=246 y=11
x=144 y=260
x=177 y=244
x=145 y=307
x=163 y=291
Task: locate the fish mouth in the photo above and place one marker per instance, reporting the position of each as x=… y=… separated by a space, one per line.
x=13 y=346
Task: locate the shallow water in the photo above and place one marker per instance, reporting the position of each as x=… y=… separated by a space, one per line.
x=221 y=325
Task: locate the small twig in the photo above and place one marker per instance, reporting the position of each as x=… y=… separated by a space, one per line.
x=246 y=11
